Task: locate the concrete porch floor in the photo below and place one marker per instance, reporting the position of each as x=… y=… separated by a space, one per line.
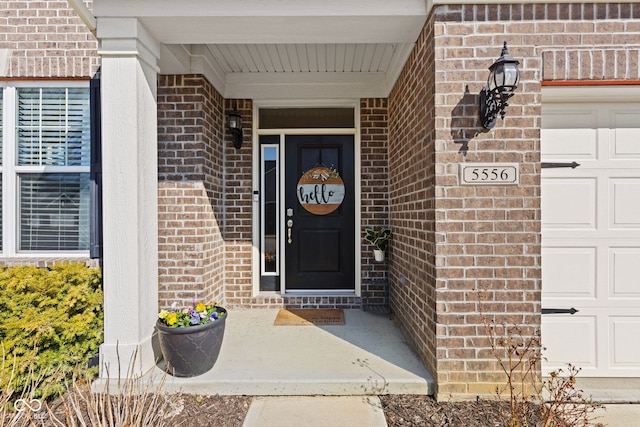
x=365 y=356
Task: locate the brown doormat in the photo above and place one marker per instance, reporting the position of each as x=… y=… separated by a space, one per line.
x=310 y=316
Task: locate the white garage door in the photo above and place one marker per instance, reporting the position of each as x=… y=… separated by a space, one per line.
x=591 y=230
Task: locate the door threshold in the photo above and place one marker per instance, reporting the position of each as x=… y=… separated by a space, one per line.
x=320 y=293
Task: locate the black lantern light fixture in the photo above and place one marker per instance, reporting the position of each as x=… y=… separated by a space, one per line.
x=234 y=124
x=503 y=80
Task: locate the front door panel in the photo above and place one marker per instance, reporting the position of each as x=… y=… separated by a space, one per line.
x=319 y=248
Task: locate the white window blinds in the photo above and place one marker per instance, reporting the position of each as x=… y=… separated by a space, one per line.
x=54 y=212
x=1 y=133
x=53 y=127
x=1 y=144
x=52 y=131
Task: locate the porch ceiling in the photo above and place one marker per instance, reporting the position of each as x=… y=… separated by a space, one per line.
x=280 y=49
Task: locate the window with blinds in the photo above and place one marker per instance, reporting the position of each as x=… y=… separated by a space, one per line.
x=1 y=240
x=53 y=127
x=1 y=144
x=53 y=143
x=1 y=134
x=54 y=211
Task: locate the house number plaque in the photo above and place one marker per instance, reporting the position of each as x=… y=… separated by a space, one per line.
x=489 y=174
x=320 y=190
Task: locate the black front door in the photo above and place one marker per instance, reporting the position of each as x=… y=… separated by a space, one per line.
x=319 y=245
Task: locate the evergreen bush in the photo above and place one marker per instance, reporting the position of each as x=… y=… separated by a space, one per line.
x=51 y=322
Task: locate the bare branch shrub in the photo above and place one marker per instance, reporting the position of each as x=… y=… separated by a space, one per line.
x=519 y=357
x=134 y=402
x=554 y=402
x=564 y=404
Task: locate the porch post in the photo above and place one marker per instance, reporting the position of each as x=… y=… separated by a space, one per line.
x=130 y=171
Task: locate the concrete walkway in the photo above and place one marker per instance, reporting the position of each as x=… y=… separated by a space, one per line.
x=330 y=375
x=365 y=356
x=620 y=397
x=619 y=415
x=319 y=411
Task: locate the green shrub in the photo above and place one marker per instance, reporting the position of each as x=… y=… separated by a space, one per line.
x=51 y=322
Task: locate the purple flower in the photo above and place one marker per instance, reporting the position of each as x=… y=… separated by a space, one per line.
x=214 y=316
x=195 y=317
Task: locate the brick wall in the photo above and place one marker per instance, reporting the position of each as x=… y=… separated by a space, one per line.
x=190 y=190
x=375 y=196
x=482 y=242
x=45 y=39
x=238 y=208
x=594 y=64
x=412 y=175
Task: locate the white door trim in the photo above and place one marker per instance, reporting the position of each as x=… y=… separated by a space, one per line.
x=597 y=94
x=257 y=105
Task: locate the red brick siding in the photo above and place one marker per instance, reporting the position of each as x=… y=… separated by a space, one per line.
x=412 y=176
x=46 y=39
x=375 y=195
x=191 y=187
x=238 y=208
x=481 y=238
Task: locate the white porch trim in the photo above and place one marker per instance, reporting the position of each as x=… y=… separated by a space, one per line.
x=130 y=196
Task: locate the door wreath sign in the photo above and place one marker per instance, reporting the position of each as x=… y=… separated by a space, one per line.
x=320 y=190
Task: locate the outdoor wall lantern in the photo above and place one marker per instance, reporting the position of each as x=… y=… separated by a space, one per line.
x=234 y=123
x=503 y=80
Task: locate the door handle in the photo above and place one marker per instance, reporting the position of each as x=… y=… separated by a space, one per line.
x=289 y=225
x=571 y=165
x=559 y=310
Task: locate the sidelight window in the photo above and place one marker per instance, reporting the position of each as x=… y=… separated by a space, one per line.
x=269 y=213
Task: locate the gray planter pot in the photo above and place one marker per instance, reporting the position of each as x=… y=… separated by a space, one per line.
x=193 y=350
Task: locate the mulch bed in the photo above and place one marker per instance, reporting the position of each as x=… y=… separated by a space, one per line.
x=424 y=411
x=400 y=411
x=222 y=411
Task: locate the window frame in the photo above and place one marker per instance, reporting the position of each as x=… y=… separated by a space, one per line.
x=2 y=178
x=10 y=171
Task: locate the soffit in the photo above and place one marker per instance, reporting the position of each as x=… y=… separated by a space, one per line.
x=304 y=58
x=279 y=48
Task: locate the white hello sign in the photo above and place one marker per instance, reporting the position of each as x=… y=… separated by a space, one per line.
x=320 y=191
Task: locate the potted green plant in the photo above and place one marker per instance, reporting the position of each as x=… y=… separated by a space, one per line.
x=379 y=239
x=190 y=338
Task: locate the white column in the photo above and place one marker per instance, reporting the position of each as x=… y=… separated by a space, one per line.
x=130 y=178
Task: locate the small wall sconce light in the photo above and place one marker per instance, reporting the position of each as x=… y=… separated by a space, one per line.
x=503 y=80
x=234 y=124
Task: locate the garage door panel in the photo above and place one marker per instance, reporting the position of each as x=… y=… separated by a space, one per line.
x=569 y=203
x=626 y=134
x=626 y=143
x=569 y=272
x=569 y=338
x=625 y=280
x=625 y=209
x=624 y=343
x=591 y=236
x=574 y=116
x=570 y=144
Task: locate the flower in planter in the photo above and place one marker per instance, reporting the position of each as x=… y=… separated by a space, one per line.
x=196 y=314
